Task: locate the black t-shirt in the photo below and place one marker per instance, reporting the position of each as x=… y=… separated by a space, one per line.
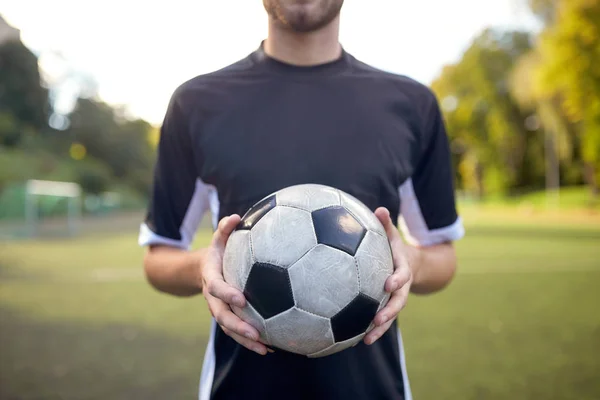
x=233 y=136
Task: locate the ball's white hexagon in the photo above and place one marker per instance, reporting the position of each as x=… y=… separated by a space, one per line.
x=252 y=317
x=299 y=332
x=308 y=197
x=362 y=213
x=237 y=259
x=324 y=281
x=337 y=347
x=282 y=236
x=375 y=265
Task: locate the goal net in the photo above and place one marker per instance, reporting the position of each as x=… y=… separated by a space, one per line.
x=52 y=207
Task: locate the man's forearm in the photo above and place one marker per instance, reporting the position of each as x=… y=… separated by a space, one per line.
x=174 y=271
x=433 y=267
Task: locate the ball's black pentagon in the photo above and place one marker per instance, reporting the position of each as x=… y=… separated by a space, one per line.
x=256 y=212
x=336 y=227
x=268 y=289
x=354 y=319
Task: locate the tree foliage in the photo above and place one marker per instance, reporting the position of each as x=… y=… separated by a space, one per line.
x=487 y=127
x=100 y=149
x=569 y=49
x=123 y=145
x=561 y=143
x=522 y=110
x=22 y=96
x=543 y=9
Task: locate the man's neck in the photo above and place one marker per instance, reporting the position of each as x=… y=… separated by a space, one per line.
x=303 y=49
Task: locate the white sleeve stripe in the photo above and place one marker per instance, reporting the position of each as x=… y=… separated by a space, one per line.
x=148 y=237
x=205 y=197
x=198 y=206
x=413 y=225
x=411 y=217
x=435 y=236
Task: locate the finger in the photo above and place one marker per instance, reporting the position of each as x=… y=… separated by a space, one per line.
x=377 y=332
x=391 y=230
x=400 y=277
x=221 y=290
x=252 y=345
x=224 y=230
x=396 y=303
x=394 y=238
x=228 y=320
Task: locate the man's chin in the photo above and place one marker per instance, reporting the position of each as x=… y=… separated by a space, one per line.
x=301 y=15
x=304 y=22
x=304 y=16
x=307 y=8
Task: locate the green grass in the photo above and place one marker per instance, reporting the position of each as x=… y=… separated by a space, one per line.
x=568 y=198
x=78 y=321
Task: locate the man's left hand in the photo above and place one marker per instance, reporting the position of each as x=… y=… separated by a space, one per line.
x=399 y=283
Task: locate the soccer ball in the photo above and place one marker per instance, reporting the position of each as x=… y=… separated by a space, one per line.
x=312 y=262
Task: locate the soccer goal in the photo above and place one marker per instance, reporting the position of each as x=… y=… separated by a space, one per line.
x=54 y=202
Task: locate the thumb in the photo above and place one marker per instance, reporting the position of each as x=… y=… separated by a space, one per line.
x=391 y=230
x=224 y=230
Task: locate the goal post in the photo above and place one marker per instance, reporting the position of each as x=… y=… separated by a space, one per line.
x=34 y=189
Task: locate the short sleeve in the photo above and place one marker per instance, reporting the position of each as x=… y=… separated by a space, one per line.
x=179 y=199
x=428 y=214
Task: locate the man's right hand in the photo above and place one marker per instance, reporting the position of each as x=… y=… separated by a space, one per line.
x=220 y=295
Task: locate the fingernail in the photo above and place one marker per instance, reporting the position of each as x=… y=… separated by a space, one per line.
x=260 y=351
x=249 y=335
x=270 y=350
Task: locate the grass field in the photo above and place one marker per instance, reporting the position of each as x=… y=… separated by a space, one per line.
x=520 y=321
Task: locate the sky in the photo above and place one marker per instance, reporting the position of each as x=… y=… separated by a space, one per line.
x=139 y=52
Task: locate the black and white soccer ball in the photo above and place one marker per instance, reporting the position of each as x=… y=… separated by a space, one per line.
x=312 y=262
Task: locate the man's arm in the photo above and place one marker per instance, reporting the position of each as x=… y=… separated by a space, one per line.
x=174 y=271
x=432 y=267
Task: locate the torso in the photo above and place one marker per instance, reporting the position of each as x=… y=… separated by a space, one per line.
x=258 y=127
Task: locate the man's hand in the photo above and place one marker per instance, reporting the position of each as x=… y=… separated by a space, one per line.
x=220 y=295
x=399 y=283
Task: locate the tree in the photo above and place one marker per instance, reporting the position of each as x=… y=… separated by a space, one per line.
x=93 y=124
x=123 y=145
x=21 y=92
x=543 y=9
x=561 y=145
x=486 y=126
x=569 y=48
x=10 y=133
x=133 y=155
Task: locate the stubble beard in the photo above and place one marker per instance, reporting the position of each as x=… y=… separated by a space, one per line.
x=300 y=20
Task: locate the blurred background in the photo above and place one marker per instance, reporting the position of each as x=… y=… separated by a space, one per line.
x=84 y=87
